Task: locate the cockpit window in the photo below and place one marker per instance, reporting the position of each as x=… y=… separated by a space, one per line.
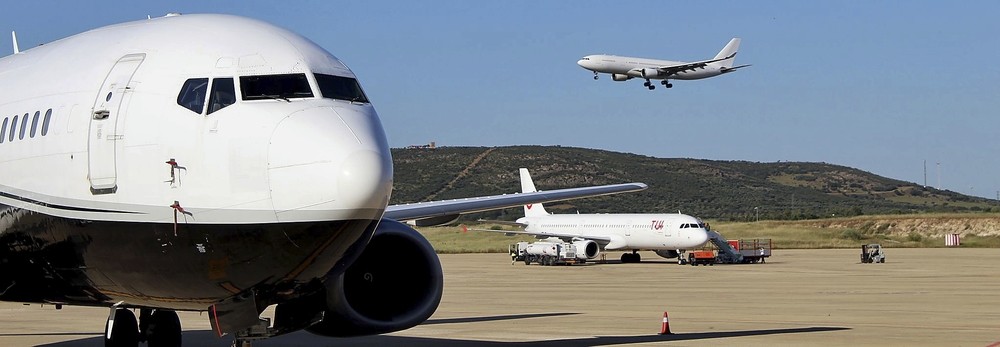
x=281 y=87
x=192 y=95
x=223 y=94
x=340 y=88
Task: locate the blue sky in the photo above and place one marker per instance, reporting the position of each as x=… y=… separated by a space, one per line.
x=878 y=85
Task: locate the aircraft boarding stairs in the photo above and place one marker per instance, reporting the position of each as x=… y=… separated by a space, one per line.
x=726 y=254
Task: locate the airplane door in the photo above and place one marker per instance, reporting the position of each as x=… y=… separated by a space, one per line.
x=104 y=135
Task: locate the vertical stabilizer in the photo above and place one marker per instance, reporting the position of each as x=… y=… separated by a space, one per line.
x=13 y=37
x=729 y=51
x=528 y=186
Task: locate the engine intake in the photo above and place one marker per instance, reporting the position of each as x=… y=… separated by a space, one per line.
x=394 y=284
x=587 y=249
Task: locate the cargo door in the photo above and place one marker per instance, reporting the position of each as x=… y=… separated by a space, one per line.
x=102 y=144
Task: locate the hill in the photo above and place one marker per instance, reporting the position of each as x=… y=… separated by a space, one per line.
x=722 y=190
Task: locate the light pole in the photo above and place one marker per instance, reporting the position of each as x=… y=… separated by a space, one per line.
x=756 y=210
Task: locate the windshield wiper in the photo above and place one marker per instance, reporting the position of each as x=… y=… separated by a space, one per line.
x=275 y=97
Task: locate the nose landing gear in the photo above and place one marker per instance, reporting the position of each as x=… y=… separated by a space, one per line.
x=595 y=75
x=158 y=328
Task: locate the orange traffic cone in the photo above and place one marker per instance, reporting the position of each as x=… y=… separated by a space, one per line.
x=665 y=329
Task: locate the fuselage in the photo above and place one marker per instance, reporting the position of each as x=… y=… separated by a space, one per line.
x=220 y=154
x=631 y=67
x=625 y=231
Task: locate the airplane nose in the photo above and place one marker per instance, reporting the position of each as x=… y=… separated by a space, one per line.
x=699 y=237
x=329 y=163
x=583 y=63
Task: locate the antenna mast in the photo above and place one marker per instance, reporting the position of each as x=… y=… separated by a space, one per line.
x=13 y=37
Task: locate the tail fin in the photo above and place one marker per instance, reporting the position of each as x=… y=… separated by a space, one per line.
x=528 y=186
x=728 y=53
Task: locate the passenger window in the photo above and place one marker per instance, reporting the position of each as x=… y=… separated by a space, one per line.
x=223 y=94
x=34 y=123
x=13 y=128
x=45 y=122
x=24 y=126
x=3 y=130
x=192 y=95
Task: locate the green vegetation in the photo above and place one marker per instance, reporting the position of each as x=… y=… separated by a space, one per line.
x=719 y=190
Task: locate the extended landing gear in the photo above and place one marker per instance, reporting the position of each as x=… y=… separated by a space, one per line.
x=666 y=83
x=633 y=257
x=121 y=330
x=158 y=328
x=649 y=85
x=595 y=75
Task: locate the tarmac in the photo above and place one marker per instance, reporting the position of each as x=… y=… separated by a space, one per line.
x=919 y=297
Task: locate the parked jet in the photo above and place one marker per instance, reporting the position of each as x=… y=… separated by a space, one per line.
x=626 y=68
x=210 y=163
x=665 y=234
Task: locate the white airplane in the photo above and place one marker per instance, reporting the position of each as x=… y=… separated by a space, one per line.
x=665 y=234
x=626 y=68
x=210 y=163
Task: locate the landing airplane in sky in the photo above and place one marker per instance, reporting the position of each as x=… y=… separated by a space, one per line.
x=666 y=234
x=626 y=68
x=210 y=163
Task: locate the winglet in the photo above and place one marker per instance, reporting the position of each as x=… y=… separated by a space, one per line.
x=528 y=186
x=13 y=37
x=729 y=52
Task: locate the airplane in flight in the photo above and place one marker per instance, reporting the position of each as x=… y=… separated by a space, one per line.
x=626 y=68
x=210 y=163
x=665 y=234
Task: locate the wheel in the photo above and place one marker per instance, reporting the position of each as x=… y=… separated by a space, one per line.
x=881 y=260
x=164 y=329
x=122 y=329
x=669 y=85
x=527 y=261
x=595 y=77
x=651 y=87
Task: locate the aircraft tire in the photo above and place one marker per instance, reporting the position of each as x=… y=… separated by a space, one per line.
x=164 y=330
x=651 y=87
x=124 y=329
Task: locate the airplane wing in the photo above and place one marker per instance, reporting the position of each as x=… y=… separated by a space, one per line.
x=602 y=240
x=673 y=69
x=446 y=208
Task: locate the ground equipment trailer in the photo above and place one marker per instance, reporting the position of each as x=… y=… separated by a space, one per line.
x=872 y=253
x=752 y=250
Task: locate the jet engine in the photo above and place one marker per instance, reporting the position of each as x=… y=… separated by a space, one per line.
x=649 y=73
x=394 y=284
x=667 y=253
x=620 y=78
x=586 y=249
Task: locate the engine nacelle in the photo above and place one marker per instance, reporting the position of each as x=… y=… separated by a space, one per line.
x=667 y=253
x=394 y=284
x=620 y=78
x=649 y=73
x=587 y=249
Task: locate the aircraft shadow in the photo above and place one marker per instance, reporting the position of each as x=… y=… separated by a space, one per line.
x=302 y=338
